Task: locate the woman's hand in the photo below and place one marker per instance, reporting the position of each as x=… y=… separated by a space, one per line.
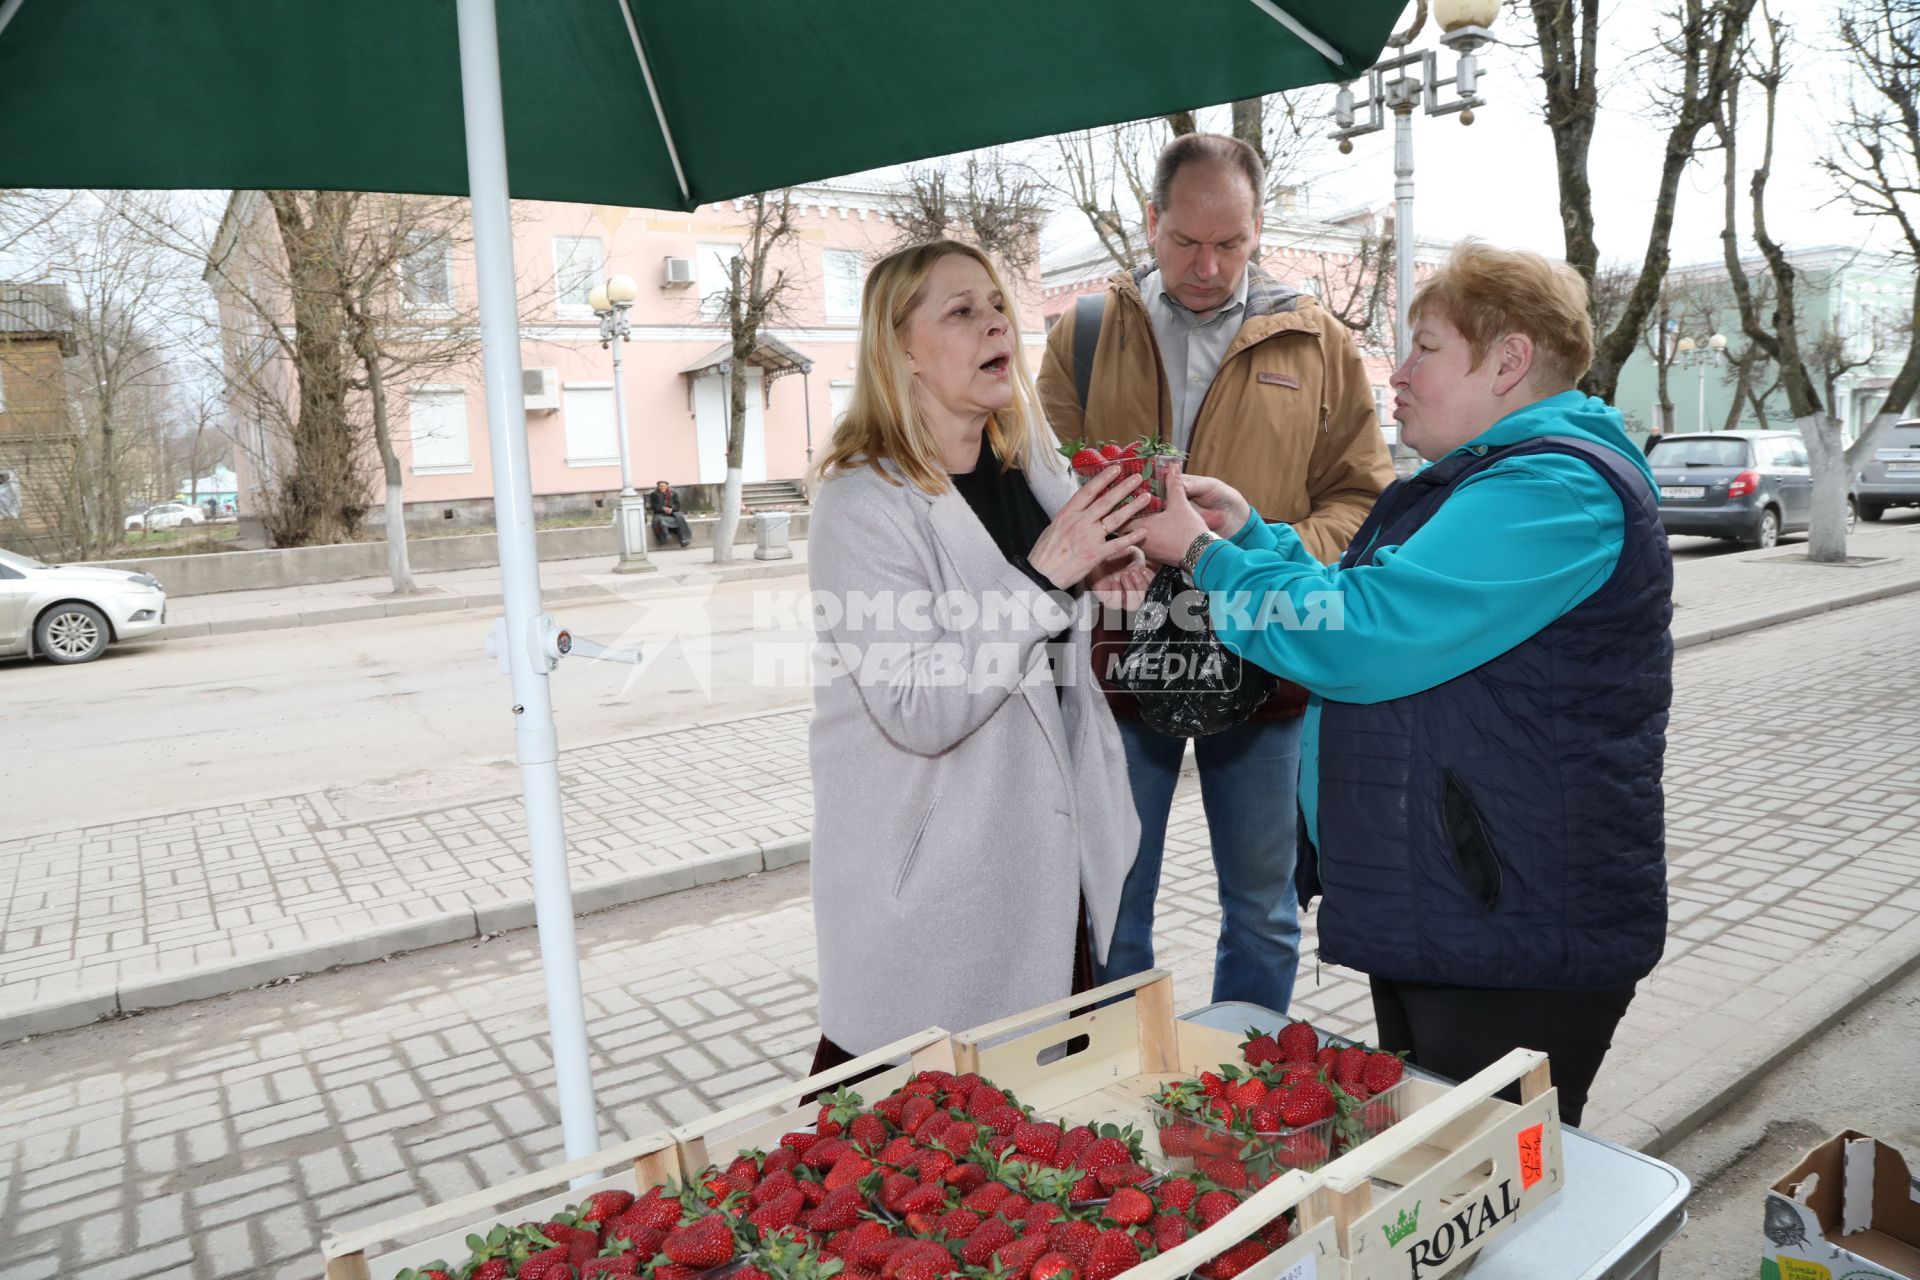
x=1076 y=543
x=1170 y=533
x=1122 y=584
x=1219 y=504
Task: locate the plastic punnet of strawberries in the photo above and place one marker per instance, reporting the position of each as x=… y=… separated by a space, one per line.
x=947 y=1178
x=1292 y=1103
x=1145 y=456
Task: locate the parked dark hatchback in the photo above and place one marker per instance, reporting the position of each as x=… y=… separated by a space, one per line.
x=1751 y=486
x=1892 y=478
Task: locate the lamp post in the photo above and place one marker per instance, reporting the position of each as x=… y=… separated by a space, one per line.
x=1691 y=352
x=610 y=302
x=1416 y=82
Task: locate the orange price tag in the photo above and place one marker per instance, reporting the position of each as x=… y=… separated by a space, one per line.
x=1531 y=1170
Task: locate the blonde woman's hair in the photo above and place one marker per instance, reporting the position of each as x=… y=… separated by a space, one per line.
x=884 y=422
x=1488 y=293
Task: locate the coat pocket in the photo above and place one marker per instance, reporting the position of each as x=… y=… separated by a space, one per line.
x=913 y=849
x=1473 y=852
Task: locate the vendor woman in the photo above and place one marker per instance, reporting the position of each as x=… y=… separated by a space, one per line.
x=1491 y=672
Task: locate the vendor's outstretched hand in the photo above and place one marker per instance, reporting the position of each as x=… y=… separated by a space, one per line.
x=1172 y=531
x=1219 y=503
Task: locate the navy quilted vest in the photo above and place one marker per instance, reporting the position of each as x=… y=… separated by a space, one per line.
x=1507 y=828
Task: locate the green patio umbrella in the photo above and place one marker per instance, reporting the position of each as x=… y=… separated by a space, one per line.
x=650 y=103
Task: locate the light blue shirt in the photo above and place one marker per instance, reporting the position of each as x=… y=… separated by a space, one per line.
x=1191 y=345
x=1512 y=550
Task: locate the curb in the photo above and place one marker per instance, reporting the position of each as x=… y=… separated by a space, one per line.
x=1870 y=595
x=158 y=991
x=1679 y=1108
x=453 y=602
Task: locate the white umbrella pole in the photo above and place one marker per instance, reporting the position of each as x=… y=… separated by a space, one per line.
x=525 y=633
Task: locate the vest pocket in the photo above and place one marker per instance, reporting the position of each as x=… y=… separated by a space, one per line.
x=1473 y=852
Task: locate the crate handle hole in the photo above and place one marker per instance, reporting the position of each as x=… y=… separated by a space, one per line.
x=1470 y=1185
x=1063 y=1050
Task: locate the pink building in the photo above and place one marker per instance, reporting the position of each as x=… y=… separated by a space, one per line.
x=675 y=394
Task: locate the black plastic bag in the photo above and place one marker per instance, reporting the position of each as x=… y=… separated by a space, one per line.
x=1187 y=682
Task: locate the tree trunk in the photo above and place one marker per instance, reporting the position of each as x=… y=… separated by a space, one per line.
x=399 y=570
x=729 y=525
x=1827 y=459
x=1249 y=125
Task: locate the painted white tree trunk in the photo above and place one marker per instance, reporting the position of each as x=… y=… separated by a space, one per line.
x=398 y=568
x=1827 y=459
x=723 y=533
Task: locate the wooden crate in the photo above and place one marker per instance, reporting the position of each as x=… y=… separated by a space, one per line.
x=1419 y=1200
x=418 y=1238
x=1133 y=1046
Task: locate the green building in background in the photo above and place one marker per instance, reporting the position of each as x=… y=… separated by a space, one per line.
x=1854 y=306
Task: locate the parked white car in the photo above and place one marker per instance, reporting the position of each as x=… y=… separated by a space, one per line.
x=166 y=515
x=70 y=613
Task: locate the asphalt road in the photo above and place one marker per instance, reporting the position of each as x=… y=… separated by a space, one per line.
x=397 y=703
x=1857 y=1076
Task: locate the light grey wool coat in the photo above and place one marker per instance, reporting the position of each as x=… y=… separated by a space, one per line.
x=957 y=822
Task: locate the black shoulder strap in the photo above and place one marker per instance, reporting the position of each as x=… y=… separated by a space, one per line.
x=1088 y=312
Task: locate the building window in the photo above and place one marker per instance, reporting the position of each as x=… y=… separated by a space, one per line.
x=712 y=277
x=840 y=268
x=426 y=272
x=577 y=267
x=592 y=440
x=842 y=400
x=438 y=420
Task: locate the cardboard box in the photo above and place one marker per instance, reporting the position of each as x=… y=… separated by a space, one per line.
x=1848 y=1211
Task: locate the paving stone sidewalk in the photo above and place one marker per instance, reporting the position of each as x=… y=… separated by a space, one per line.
x=221 y=1138
x=141 y=914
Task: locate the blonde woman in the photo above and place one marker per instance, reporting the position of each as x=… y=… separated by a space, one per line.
x=972 y=823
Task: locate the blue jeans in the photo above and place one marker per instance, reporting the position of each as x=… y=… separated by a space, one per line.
x=1248 y=779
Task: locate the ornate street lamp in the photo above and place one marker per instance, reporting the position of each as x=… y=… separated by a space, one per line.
x=610 y=302
x=1689 y=352
x=1415 y=82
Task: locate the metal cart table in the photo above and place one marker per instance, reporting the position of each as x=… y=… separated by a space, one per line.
x=1618 y=1211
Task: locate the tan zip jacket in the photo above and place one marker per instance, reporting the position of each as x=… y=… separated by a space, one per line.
x=1289 y=420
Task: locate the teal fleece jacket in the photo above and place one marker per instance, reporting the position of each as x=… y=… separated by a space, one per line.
x=1512 y=550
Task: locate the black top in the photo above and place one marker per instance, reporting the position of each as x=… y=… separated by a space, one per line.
x=1014 y=518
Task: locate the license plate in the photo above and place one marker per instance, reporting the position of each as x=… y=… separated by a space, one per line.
x=1682 y=491
x=1902 y=468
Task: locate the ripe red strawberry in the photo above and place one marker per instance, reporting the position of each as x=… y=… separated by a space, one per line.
x=1351 y=1065
x=1037 y=1140
x=813 y=1191
x=1042 y=1213
x=605 y=1206
x=1003 y=1119
x=840 y=1210
x=780 y=1212
x=674 y=1271
x=620 y=1264
x=986 y=1240
x=1088 y=1188
x=1383 y=1071
x=1072 y=1143
x=1017 y=1258
x=987 y=1197
x=1075 y=1238
x=1053 y=1266
x=579 y=1243
x=1129 y=1207
x=1326 y=1058
x=926 y=1261
x=1177 y=1192
x=823 y=1153
x=1113 y=1253
x=1276 y=1233
x=1125 y=1173
x=898 y=1153
x=491 y=1269
x=1298 y=1042
x=957 y=1224
x=1104 y=1152
x=1110 y=452
x=1087 y=460
x=1235 y=1260
x=742 y=1173
x=896 y=1187
x=1170 y=1230
x=1213 y=1206
x=958 y=1138
x=655 y=1209
x=1213 y=1085
x=644 y=1241
x=1225 y=1170
x=1268 y=1117
x=548 y=1264
x=933 y=1165
x=889 y=1107
x=847 y=1170
x=926 y=1198
x=933 y=1129
x=702 y=1243
x=1260 y=1050
x=916 y=1112
x=985 y=1098
x=1246 y=1094
x=780 y=1160
x=867 y=1131
x=1309 y=1103
x=1304 y=1150
x=772 y=1185
x=965 y=1177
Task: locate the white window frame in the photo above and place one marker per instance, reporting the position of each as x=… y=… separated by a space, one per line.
x=832 y=387
x=465 y=436
x=426 y=242
x=609 y=460
x=564 y=249
x=709 y=257
x=838 y=305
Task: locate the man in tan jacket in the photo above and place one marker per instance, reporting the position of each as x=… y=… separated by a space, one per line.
x=1266 y=391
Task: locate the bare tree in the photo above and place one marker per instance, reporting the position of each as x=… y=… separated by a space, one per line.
x=985 y=199
x=1880 y=41
x=756 y=290
x=1698 y=43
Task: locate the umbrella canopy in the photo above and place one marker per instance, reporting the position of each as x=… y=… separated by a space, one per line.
x=660 y=104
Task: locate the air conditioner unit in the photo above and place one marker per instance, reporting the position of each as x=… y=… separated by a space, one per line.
x=542 y=388
x=679 y=271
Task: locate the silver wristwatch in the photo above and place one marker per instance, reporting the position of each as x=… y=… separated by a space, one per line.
x=1195 y=549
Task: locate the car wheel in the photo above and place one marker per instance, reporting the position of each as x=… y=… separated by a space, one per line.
x=1767 y=532
x=71 y=632
x=1871 y=511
